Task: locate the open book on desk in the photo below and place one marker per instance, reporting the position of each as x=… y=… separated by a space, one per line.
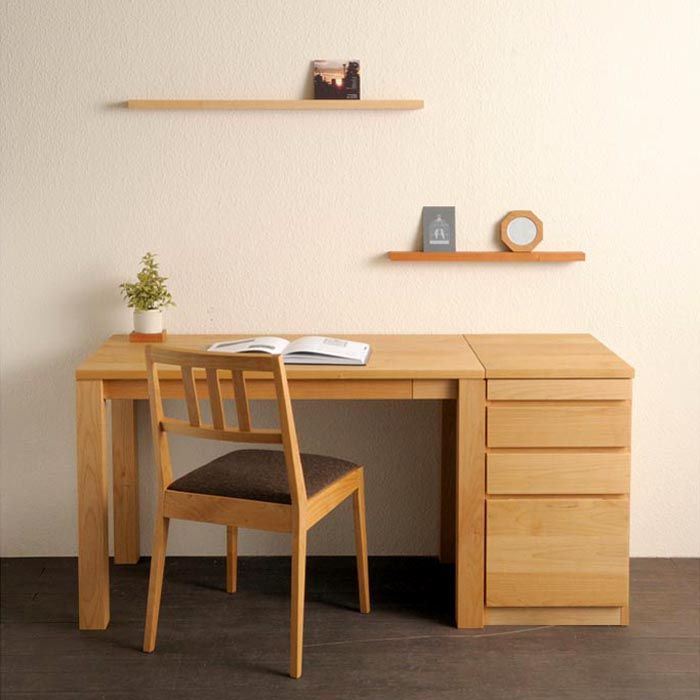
x=309 y=350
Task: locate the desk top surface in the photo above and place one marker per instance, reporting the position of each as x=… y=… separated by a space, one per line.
x=393 y=357
x=547 y=356
x=503 y=355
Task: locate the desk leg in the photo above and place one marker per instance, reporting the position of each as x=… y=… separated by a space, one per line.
x=125 y=475
x=447 y=481
x=93 y=553
x=471 y=478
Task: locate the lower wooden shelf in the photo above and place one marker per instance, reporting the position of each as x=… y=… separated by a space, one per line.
x=486 y=256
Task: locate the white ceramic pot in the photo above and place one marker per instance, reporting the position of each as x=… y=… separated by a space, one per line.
x=148 y=321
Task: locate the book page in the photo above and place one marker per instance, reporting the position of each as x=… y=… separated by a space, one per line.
x=266 y=343
x=331 y=347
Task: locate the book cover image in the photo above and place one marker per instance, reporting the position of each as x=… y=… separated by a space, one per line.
x=337 y=80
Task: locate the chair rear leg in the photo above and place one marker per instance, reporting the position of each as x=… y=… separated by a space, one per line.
x=155 y=584
x=298 y=589
x=358 y=509
x=231 y=558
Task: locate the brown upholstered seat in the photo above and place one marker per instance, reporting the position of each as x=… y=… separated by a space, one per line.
x=260 y=475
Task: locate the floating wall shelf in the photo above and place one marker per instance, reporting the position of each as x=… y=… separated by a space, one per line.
x=486 y=256
x=323 y=105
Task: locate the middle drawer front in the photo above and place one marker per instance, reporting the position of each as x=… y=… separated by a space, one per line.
x=559 y=424
x=558 y=472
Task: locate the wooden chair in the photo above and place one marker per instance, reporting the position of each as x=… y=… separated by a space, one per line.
x=260 y=489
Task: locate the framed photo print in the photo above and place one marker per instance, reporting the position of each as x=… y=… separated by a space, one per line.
x=337 y=80
x=438 y=229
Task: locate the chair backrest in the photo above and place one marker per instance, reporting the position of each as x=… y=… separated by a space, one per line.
x=219 y=367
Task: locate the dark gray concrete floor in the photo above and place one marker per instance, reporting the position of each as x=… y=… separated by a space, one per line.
x=214 y=645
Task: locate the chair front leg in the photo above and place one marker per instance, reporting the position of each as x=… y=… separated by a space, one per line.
x=358 y=509
x=298 y=589
x=155 y=584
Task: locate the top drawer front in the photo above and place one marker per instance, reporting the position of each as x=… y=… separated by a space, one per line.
x=588 y=424
x=559 y=389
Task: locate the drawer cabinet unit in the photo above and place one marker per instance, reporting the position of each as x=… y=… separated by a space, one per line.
x=557 y=474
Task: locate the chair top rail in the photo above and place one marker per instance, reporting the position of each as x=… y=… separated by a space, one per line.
x=213 y=360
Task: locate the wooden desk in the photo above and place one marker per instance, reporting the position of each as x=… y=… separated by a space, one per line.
x=402 y=367
x=544 y=420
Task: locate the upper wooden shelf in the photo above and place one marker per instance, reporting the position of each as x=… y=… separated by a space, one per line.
x=328 y=105
x=486 y=256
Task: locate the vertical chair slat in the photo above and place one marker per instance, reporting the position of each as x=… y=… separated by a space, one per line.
x=217 y=406
x=241 y=398
x=191 y=396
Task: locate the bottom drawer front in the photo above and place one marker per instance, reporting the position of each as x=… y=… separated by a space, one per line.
x=543 y=552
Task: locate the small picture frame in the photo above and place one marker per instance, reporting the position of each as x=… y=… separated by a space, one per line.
x=438 y=229
x=337 y=80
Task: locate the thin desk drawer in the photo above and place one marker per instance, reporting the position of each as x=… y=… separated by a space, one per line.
x=264 y=389
x=557 y=552
x=561 y=472
x=559 y=389
x=589 y=424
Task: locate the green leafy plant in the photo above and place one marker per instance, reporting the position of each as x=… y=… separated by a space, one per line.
x=149 y=292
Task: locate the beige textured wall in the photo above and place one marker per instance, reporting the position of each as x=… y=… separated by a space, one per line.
x=585 y=112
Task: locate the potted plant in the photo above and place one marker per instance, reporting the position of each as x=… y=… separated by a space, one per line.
x=148 y=296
